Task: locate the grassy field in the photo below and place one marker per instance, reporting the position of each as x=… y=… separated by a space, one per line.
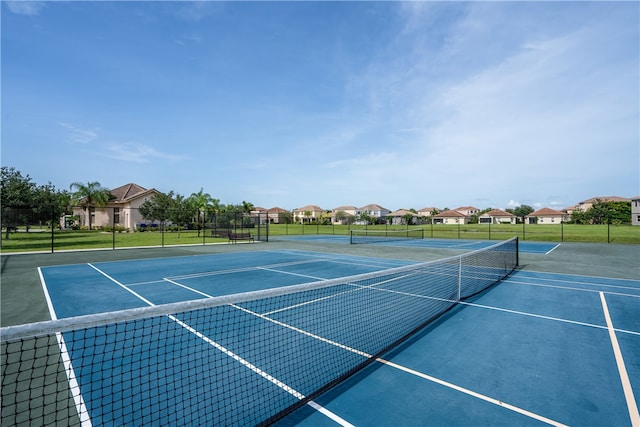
x=553 y=233
x=42 y=239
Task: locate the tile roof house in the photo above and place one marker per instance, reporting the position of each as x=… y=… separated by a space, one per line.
x=375 y=211
x=400 y=216
x=451 y=217
x=277 y=215
x=427 y=212
x=546 y=216
x=121 y=210
x=585 y=205
x=497 y=216
x=467 y=210
x=308 y=213
x=339 y=218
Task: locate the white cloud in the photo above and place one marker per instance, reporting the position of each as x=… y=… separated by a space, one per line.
x=138 y=153
x=198 y=10
x=29 y=8
x=80 y=135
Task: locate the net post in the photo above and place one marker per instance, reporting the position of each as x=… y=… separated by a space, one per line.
x=459 y=278
x=517 y=251
x=351 y=237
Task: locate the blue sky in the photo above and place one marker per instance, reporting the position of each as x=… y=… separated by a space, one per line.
x=407 y=105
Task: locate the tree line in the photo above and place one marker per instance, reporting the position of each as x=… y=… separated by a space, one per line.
x=25 y=203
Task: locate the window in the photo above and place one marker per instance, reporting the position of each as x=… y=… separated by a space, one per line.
x=116 y=215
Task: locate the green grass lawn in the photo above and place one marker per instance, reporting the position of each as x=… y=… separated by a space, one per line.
x=538 y=232
x=41 y=239
x=65 y=240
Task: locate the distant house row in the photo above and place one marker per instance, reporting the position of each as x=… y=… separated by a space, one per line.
x=122 y=210
x=460 y=215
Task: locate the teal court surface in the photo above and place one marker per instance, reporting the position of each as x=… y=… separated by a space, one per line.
x=295 y=337
x=457 y=244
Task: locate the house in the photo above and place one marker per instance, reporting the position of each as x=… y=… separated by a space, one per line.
x=400 y=217
x=451 y=217
x=342 y=214
x=635 y=210
x=546 y=216
x=121 y=210
x=467 y=210
x=278 y=215
x=497 y=216
x=585 y=205
x=376 y=212
x=427 y=213
x=309 y=213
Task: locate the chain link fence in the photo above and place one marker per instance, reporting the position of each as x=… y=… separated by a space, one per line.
x=39 y=229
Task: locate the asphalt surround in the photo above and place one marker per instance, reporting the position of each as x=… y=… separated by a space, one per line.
x=544 y=332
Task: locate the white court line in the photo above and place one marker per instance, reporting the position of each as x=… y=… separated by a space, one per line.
x=571 y=288
x=541 y=275
x=472 y=393
x=342 y=346
x=74 y=387
x=553 y=249
x=540 y=316
x=624 y=377
x=219 y=347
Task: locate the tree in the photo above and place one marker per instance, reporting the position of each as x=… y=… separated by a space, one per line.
x=609 y=212
x=157 y=207
x=408 y=218
x=49 y=204
x=203 y=203
x=521 y=212
x=366 y=218
x=247 y=207
x=344 y=218
x=16 y=196
x=89 y=196
x=169 y=207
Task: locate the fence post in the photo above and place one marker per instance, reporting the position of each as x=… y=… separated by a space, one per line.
x=113 y=229
x=53 y=221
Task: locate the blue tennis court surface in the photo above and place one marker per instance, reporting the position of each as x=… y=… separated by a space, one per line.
x=536 y=349
x=459 y=244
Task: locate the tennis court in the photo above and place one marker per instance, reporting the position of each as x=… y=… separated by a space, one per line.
x=538 y=348
x=387 y=239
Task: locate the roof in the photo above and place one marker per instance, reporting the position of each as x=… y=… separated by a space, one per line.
x=606 y=199
x=129 y=191
x=496 y=212
x=546 y=212
x=373 y=207
x=450 y=214
x=276 y=210
x=402 y=212
x=345 y=208
x=428 y=210
x=312 y=208
x=466 y=208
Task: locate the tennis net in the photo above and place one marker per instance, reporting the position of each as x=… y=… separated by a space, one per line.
x=376 y=236
x=243 y=359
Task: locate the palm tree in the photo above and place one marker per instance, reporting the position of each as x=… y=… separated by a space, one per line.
x=89 y=196
x=204 y=202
